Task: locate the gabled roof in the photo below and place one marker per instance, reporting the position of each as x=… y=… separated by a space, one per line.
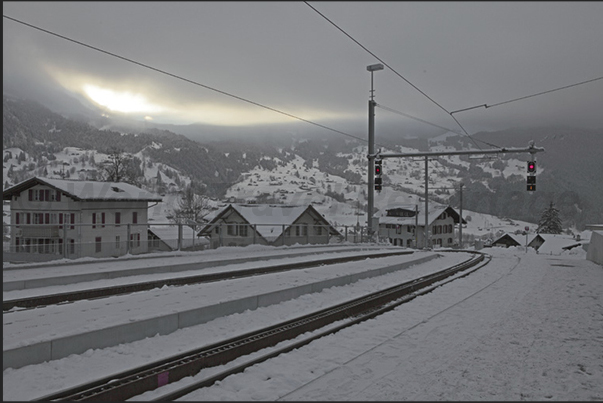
x=268 y=218
x=434 y=211
x=169 y=235
x=555 y=243
x=519 y=239
x=86 y=190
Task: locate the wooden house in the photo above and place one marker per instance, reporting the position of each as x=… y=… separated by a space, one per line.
x=268 y=224
x=405 y=225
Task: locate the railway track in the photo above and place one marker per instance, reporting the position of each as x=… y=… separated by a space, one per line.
x=127 y=384
x=72 y=296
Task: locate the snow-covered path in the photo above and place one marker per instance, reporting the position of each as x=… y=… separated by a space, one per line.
x=526 y=327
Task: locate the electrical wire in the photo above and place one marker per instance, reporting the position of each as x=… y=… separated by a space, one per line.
x=433 y=124
x=183 y=79
x=392 y=69
x=528 y=96
x=415 y=118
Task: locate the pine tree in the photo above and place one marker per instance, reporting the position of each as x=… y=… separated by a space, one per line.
x=550 y=223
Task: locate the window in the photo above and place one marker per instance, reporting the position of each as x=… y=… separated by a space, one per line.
x=117 y=219
x=93 y=220
x=72 y=246
x=47 y=218
x=318 y=230
x=17 y=218
x=58 y=195
x=28 y=221
x=30 y=194
x=135 y=240
x=72 y=220
x=231 y=229
x=103 y=220
x=449 y=241
x=117 y=241
x=99 y=243
x=305 y=229
x=134 y=217
x=41 y=195
x=47 y=194
x=243 y=230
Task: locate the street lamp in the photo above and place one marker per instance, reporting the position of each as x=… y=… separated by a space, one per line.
x=371 y=151
x=371 y=68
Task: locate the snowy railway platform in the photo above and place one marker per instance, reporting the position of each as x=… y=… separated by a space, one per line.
x=56 y=331
x=525 y=327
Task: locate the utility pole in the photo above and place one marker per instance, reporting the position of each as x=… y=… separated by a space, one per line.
x=371 y=152
x=531 y=149
x=426 y=239
x=461 y=220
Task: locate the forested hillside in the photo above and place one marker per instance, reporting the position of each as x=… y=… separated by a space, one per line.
x=569 y=171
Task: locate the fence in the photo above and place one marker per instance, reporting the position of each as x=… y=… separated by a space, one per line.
x=44 y=242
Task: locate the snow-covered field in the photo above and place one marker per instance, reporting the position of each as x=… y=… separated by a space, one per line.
x=525 y=327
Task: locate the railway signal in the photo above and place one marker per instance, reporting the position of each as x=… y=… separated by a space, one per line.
x=378 y=172
x=531 y=179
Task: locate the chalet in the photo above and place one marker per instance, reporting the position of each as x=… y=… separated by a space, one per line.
x=168 y=237
x=268 y=224
x=67 y=218
x=405 y=225
x=507 y=240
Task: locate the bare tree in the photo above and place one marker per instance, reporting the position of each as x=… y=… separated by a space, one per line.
x=120 y=167
x=191 y=208
x=113 y=169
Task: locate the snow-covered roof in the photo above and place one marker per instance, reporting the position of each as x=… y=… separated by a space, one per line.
x=269 y=219
x=520 y=239
x=554 y=243
x=434 y=211
x=169 y=235
x=87 y=190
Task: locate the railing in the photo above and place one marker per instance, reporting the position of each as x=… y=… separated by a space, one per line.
x=43 y=242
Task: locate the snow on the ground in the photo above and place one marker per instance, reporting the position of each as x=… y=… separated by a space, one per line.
x=47 y=323
x=525 y=327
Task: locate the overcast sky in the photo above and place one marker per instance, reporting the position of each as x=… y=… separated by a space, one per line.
x=286 y=56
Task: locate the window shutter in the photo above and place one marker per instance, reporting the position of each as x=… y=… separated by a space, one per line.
x=30 y=194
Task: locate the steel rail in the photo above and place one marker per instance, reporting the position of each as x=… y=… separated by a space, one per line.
x=171 y=396
x=66 y=297
x=127 y=384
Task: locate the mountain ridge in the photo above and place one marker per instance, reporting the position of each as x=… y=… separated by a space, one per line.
x=223 y=163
